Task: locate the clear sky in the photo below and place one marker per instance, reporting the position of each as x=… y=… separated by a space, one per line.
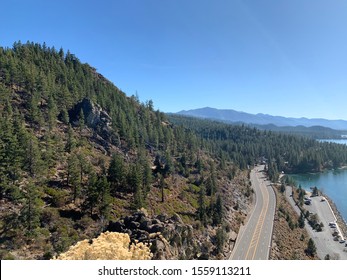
x=278 y=57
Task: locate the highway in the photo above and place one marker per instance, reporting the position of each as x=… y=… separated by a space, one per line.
x=254 y=238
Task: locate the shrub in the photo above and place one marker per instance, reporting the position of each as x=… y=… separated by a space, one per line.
x=108 y=246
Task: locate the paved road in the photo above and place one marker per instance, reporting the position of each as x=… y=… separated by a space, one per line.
x=323 y=240
x=254 y=240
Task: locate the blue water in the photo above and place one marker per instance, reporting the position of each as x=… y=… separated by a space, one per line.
x=333 y=183
x=338 y=141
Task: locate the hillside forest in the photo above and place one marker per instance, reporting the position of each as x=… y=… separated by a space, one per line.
x=77 y=154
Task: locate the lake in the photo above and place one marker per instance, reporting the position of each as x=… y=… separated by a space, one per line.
x=338 y=141
x=332 y=182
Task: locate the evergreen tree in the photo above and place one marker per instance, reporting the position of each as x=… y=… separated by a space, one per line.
x=135 y=179
x=71 y=141
x=218 y=211
x=73 y=174
x=116 y=173
x=301 y=221
x=30 y=212
x=64 y=115
x=34 y=110
x=81 y=121
x=92 y=194
x=33 y=161
x=105 y=198
x=147 y=177
x=311 y=248
x=52 y=112
x=162 y=186
x=201 y=213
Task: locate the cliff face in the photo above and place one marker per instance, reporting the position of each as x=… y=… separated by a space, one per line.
x=94 y=115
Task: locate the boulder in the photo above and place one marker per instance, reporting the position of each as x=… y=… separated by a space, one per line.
x=115 y=227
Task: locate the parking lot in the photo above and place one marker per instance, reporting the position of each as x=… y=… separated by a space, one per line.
x=324 y=240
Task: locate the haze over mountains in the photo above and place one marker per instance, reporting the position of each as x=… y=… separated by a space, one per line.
x=232 y=116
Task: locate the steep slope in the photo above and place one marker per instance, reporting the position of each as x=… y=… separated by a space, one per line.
x=77 y=154
x=78 y=157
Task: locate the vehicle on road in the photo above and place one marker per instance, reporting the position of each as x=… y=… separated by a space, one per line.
x=342 y=241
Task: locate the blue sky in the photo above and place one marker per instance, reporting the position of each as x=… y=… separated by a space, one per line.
x=272 y=56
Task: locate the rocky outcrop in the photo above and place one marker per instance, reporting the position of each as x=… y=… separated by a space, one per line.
x=96 y=118
x=169 y=237
x=94 y=115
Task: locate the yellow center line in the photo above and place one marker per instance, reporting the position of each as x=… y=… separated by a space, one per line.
x=263 y=219
x=256 y=235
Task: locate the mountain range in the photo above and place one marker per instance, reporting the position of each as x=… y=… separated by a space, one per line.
x=233 y=116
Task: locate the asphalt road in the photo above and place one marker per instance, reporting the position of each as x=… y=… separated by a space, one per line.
x=254 y=240
x=324 y=240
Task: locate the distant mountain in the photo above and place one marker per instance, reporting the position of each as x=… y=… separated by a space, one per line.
x=233 y=116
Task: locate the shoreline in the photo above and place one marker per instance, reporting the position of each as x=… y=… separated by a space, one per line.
x=326 y=212
x=339 y=219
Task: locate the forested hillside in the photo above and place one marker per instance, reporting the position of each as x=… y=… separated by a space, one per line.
x=77 y=154
x=245 y=145
x=78 y=157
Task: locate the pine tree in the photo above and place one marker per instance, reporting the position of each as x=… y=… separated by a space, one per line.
x=71 y=141
x=311 y=248
x=218 y=211
x=35 y=114
x=64 y=116
x=201 y=213
x=11 y=153
x=135 y=179
x=30 y=212
x=116 y=173
x=81 y=121
x=147 y=177
x=162 y=186
x=105 y=198
x=52 y=112
x=33 y=161
x=73 y=174
x=92 y=194
x=301 y=221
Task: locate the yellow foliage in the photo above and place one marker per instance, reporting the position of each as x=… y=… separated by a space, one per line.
x=108 y=246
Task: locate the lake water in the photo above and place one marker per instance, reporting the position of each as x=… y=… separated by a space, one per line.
x=338 y=141
x=332 y=182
